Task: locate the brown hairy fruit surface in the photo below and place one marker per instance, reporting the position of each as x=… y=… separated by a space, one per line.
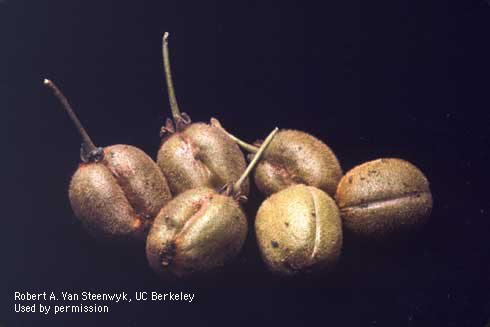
x=299 y=231
x=198 y=231
x=295 y=157
x=384 y=197
x=118 y=197
x=201 y=155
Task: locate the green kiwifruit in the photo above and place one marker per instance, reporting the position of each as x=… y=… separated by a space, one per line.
x=294 y=157
x=299 y=231
x=384 y=197
x=116 y=191
x=199 y=230
x=198 y=154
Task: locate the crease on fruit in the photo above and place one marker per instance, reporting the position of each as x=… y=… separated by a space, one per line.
x=170 y=248
x=386 y=201
x=189 y=147
x=212 y=177
x=138 y=216
x=317 y=232
x=287 y=177
x=203 y=205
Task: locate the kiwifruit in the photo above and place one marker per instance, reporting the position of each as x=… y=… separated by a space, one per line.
x=294 y=157
x=199 y=230
x=198 y=154
x=299 y=231
x=383 y=198
x=116 y=190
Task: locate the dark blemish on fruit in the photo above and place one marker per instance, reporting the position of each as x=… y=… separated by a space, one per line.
x=169 y=222
x=274 y=244
x=313 y=213
x=198 y=205
x=286 y=223
x=168 y=253
x=198 y=155
x=362 y=178
x=350 y=179
x=297 y=179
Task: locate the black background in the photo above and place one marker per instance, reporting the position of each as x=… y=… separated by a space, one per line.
x=405 y=79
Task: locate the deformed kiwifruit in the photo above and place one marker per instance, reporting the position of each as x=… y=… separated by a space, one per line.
x=117 y=190
x=299 y=231
x=200 y=230
x=294 y=157
x=197 y=154
x=384 y=198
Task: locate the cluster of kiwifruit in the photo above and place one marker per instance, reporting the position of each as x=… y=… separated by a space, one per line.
x=119 y=193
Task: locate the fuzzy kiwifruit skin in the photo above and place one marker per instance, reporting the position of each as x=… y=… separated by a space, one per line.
x=118 y=197
x=384 y=198
x=196 y=232
x=295 y=157
x=299 y=231
x=201 y=155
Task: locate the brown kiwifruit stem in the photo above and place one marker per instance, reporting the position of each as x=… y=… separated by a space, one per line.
x=255 y=160
x=168 y=77
x=88 y=144
x=248 y=147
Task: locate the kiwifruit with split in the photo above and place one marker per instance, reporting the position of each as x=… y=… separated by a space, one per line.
x=299 y=231
x=199 y=230
x=198 y=154
x=383 y=198
x=294 y=157
x=117 y=190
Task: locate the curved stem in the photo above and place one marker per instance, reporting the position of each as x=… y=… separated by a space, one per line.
x=255 y=160
x=247 y=146
x=168 y=77
x=88 y=144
